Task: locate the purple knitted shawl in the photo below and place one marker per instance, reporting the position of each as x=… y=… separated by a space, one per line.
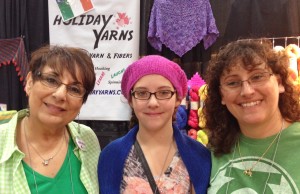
x=181 y=25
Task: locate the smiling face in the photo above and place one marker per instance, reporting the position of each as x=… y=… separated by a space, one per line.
x=251 y=104
x=52 y=106
x=154 y=114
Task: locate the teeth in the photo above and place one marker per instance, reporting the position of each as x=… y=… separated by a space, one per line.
x=250 y=104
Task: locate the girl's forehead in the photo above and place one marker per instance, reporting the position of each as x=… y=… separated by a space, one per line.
x=153 y=81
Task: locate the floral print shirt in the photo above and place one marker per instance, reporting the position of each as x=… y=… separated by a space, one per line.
x=174 y=180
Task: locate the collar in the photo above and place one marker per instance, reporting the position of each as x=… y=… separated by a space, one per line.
x=8 y=138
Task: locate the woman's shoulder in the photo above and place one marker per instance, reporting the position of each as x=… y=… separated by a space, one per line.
x=78 y=129
x=295 y=124
x=292 y=130
x=84 y=133
x=5 y=116
x=9 y=120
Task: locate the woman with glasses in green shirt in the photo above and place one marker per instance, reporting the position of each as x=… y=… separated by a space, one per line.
x=252 y=112
x=42 y=150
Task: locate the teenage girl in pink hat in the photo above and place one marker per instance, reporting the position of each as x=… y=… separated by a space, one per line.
x=154 y=157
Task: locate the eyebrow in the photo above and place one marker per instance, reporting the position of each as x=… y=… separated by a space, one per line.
x=256 y=70
x=53 y=73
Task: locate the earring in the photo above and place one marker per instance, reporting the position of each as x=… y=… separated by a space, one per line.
x=27 y=112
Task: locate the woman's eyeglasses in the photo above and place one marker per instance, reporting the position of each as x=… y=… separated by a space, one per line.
x=52 y=81
x=254 y=80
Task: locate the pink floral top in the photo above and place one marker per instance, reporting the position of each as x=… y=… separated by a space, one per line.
x=174 y=180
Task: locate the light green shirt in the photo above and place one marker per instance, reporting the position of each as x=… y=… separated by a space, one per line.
x=12 y=175
x=277 y=172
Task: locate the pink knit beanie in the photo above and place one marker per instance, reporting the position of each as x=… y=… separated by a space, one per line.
x=154 y=64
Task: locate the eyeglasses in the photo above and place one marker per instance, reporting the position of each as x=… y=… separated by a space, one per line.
x=254 y=80
x=52 y=81
x=159 y=95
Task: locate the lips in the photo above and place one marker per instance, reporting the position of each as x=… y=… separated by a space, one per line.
x=153 y=114
x=54 y=108
x=251 y=104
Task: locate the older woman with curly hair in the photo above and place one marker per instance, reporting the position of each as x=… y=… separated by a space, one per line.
x=252 y=112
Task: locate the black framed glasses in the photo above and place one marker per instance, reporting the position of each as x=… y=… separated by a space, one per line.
x=254 y=80
x=159 y=95
x=52 y=81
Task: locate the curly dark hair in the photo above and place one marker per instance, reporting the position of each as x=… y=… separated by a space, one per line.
x=223 y=127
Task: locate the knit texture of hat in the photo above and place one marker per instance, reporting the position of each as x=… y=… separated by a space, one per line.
x=154 y=64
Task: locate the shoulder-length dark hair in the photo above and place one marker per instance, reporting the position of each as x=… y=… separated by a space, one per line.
x=222 y=125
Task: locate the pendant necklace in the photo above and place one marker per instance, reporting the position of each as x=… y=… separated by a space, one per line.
x=45 y=161
x=30 y=162
x=162 y=170
x=249 y=171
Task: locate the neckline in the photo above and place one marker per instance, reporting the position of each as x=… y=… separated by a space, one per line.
x=262 y=141
x=62 y=169
x=170 y=165
x=255 y=141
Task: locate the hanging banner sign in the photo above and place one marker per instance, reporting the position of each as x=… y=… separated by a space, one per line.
x=110 y=33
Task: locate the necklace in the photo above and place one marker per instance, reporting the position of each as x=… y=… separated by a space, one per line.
x=249 y=171
x=45 y=161
x=165 y=161
x=30 y=162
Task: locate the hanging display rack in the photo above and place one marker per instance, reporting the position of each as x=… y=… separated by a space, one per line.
x=286 y=38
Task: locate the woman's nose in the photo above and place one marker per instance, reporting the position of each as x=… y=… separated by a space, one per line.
x=246 y=88
x=61 y=92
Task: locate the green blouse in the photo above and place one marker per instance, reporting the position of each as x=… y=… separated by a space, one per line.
x=66 y=180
